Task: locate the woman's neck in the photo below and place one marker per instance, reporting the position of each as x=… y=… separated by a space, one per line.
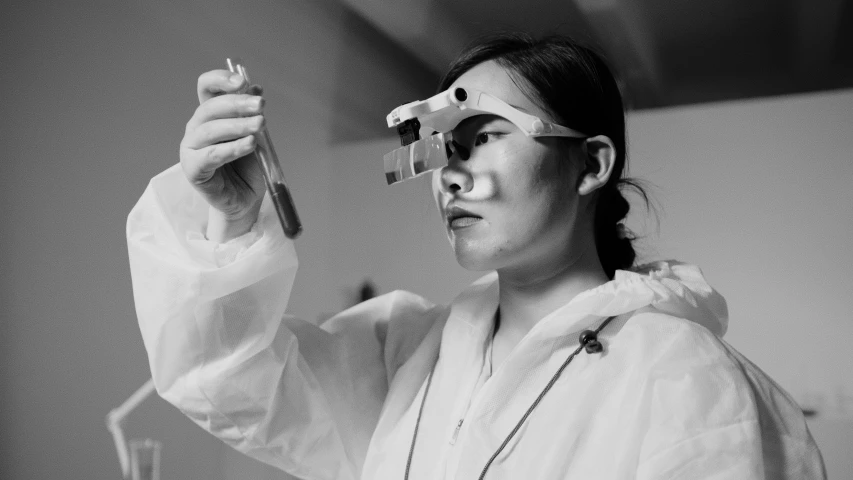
x=528 y=297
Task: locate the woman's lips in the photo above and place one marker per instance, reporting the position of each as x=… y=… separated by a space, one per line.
x=458 y=217
x=461 y=222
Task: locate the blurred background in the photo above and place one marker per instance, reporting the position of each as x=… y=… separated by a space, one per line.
x=741 y=114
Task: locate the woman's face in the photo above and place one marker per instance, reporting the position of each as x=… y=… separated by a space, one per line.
x=513 y=205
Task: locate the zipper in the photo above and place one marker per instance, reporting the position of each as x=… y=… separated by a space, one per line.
x=456 y=431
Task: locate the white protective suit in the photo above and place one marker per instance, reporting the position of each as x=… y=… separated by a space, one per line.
x=668 y=398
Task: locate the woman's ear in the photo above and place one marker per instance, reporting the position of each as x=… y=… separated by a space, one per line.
x=600 y=156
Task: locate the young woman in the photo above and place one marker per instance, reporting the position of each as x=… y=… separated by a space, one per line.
x=565 y=361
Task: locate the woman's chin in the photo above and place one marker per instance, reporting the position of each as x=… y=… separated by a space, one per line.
x=474 y=260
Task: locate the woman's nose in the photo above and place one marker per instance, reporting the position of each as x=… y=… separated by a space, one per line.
x=456 y=177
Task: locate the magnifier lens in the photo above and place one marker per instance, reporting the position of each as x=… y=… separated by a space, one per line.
x=417 y=158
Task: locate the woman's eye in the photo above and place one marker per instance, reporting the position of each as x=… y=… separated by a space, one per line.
x=484 y=137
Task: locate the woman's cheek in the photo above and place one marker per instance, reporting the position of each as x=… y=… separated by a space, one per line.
x=485 y=187
x=436 y=188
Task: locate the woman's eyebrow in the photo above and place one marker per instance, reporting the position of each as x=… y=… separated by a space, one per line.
x=479 y=120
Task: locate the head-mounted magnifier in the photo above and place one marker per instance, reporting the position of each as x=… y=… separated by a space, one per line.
x=441 y=113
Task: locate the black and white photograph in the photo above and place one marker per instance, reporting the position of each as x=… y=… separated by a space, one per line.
x=427 y=240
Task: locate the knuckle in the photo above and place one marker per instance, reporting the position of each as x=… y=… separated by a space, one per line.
x=186 y=163
x=212 y=154
x=204 y=109
x=190 y=165
x=188 y=155
x=206 y=134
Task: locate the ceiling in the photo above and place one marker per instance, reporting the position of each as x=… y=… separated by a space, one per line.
x=667 y=52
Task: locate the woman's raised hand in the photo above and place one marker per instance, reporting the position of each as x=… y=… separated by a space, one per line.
x=217 y=152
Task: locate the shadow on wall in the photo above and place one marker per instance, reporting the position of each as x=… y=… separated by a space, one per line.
x=374 y=75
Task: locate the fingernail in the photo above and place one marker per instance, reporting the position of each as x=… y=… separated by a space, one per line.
x=236 y=79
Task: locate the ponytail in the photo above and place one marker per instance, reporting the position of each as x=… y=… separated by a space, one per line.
x=613 y=240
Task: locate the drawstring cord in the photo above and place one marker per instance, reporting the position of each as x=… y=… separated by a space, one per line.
x=588 y=340
x=418 y=421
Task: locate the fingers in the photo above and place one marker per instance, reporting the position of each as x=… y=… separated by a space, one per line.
x=200 y=164
x=218 y=82
x=222 y=130
x=223 y=126
x=226 y=106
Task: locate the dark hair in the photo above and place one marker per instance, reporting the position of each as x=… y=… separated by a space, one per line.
x=575 y=86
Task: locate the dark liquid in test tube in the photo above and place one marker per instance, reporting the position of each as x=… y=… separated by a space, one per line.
x=283 y=202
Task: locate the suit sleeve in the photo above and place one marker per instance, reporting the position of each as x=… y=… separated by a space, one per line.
x=714 y=415
x=221 y=349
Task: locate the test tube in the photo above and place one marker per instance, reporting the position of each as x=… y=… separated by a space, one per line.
x=268 y=160
x=145 y=459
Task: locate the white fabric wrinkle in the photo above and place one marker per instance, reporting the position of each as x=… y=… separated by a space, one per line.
x=404 y=388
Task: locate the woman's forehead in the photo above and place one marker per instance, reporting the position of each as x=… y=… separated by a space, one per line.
x=489 y=77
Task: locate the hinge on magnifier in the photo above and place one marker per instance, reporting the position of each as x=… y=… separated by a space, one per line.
x=409 y=131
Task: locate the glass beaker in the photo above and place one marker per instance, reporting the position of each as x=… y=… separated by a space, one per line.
x=145 y=459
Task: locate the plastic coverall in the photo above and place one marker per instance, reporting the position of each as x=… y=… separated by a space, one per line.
x=667 y=399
